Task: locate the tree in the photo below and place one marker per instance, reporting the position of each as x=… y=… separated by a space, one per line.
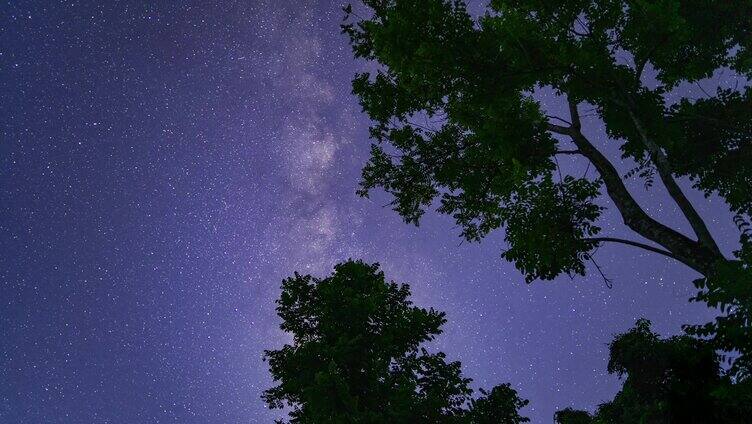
x=455 y=122
x=674 y=380
x=729 y=288
x=357 y=356
x=501 y=405
x=572 y=416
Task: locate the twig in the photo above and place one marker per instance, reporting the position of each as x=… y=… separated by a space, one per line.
x=609 y=282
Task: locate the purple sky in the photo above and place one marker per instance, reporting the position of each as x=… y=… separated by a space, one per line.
x=163 y=167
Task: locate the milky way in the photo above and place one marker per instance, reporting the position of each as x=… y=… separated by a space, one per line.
x=164 y=166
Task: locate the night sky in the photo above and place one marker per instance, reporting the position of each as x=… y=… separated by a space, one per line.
x=164 y=165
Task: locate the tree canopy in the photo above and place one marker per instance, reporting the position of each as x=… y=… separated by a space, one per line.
x=674 y=380
x=357 y=356
x=456 y=123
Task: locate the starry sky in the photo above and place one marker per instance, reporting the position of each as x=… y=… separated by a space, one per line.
x=164 y=165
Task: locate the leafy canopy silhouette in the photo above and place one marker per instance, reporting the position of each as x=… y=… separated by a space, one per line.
x=455 y=123
x=357 y=356
x=674 y=380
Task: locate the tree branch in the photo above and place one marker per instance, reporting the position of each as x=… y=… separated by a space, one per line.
x=633 y=243
x=664 y=171
x=558 y=129
x=559 y=119
x=684 y=249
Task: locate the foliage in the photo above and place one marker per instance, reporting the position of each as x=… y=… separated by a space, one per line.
x=456 y=123
x=566 y=206
x=678 y=379
x=572 y=416
x=454 y=119
x=357 y=356
x=500 y=405
x=729 y=289
x=713 y=146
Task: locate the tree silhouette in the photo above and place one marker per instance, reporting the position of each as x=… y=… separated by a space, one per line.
x=501 y=405
x=729 y=288
x=357 y=356
x=455 y=122
x=674 y=380
x=572 y=416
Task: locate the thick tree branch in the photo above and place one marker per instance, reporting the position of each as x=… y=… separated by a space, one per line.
x=664 y=171
x=684 y=249
x=558 y=129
